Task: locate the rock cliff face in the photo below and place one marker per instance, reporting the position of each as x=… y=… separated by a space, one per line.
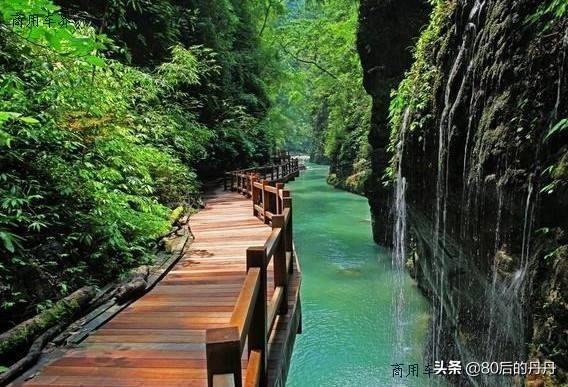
x=478 y=157
x=387 y=31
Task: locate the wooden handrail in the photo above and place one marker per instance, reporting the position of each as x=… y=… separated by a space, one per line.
x=240 y=180
x=242 y=312
x=271 y=189
x=253 y=317
x=252 y=378
x=273 y=308
x=272 y=242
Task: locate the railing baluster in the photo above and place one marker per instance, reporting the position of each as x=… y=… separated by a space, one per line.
x=279 y=186
x=280 y=273
x=249 y=182
x=265 y=201
x=287 y=203
x=256 y=257
x=254 y=195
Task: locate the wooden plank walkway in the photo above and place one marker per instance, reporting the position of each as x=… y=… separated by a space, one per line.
x=159 y=340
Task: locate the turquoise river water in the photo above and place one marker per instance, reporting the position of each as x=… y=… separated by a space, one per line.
x=347 y=282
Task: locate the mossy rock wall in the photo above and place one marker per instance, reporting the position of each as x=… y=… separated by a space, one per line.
x=486 y=193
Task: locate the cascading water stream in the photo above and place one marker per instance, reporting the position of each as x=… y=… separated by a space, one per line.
x=399 y=252
x=503 y=295
x=560 y=76
x=444 y=138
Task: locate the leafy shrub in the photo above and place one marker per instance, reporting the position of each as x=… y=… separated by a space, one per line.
x=94 y=155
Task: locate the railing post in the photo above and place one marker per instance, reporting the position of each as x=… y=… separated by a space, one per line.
x=279 y=186
x=249 y=182
x=280 y=273
x=232 y=181
x=272 y=172
x=265 y=200
x=223 y=351
x=254 y=195
x=257 y=340
x=287 y=203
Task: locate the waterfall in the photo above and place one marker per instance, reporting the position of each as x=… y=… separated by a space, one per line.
x=476 y=235
x=560 y=75
x=503 y=295
x=399 y=254
x=444 y=140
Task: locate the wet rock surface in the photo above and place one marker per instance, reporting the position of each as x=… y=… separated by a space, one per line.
x=488 y=235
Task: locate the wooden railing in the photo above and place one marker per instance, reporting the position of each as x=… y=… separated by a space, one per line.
x=253 y=316
x=239 y=180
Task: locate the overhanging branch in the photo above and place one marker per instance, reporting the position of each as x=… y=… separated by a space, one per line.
x=307 y=61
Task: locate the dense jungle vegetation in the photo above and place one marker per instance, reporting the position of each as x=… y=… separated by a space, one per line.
x=113 y=113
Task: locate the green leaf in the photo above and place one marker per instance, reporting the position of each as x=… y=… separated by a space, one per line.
x=9 y=240
x=95 y=61
x=53 y=40
x=5 y=139
x=29 y=120
x=559 y=127
x=5 y=116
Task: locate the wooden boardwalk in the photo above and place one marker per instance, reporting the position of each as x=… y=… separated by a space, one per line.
x=160 y=339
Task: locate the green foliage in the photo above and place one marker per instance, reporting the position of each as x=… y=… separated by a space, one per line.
x=225 y=39
x=64 y=40
x=560 y=126
x=143 y=31
x=415 y=92
x=549 y=9
x=94 y=154
x=318 y=75
x=105 y=128
x=556 y=174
